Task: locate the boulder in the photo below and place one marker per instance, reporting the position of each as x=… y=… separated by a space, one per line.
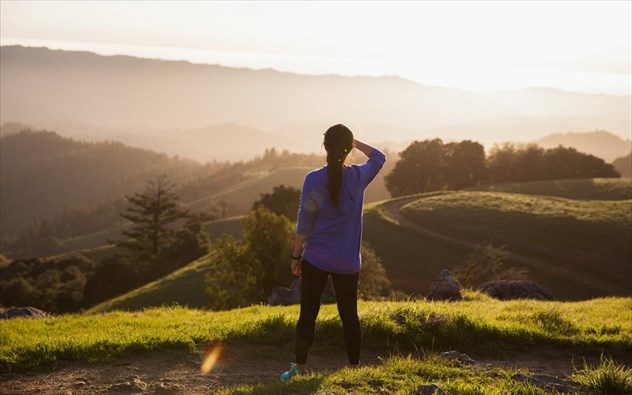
x=26 y=312
x=282 y=296
x=463 y=359
x=516 y=289
x=445 y=287
x=135 y=385
x=550 y=383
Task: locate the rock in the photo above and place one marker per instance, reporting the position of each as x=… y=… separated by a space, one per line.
x=282 y=296
x=516 y=289
x=548 y=382
x=79 y=384
x=26 y=312
x=445 y=287
x=430 y=389
x=463 y=359
x=136 y=385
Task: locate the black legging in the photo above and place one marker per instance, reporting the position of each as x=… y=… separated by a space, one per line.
x=312 y=284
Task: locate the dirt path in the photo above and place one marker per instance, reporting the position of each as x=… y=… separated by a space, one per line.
x=177 y=372
x=172 y=372
x=394 y=212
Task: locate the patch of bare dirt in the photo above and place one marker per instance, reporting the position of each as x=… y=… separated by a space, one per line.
x=171 y=372
x=178 y=372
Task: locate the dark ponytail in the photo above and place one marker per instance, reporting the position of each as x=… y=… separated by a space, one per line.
x=338 y=143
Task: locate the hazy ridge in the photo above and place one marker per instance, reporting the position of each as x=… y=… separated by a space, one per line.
x=174 y=102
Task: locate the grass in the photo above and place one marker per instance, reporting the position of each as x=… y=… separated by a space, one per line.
x=609 y=378
x=401 y=375
x=405 y=375
x=476 y=325
x=580 y=189
x=411 y=260
x=588 y=236
x=185 y=287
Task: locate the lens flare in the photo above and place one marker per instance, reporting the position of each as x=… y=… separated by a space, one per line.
x=211 y=356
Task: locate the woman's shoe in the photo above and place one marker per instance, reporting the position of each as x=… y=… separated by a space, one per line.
x=294 y=371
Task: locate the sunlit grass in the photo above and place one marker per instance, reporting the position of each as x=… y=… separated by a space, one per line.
x=581 y=189
x=401 y=375
x=609 y=378
x=475 y=325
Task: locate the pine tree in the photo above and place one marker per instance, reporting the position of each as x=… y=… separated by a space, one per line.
x=150 y=213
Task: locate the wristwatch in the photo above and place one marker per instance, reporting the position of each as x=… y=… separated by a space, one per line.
x=296 y=258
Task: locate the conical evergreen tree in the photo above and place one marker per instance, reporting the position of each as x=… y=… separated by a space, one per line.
x=150 y=213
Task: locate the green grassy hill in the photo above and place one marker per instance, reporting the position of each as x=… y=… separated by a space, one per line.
x=589 y=238
x=570 y=238
x=581 y=189
x=478 y=326
x=185 y=287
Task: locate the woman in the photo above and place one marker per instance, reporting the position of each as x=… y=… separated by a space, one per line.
x=328 y=238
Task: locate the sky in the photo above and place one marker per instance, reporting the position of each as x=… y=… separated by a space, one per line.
x=577 y=46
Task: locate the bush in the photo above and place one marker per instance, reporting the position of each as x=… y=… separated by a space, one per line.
x=373 y=283
x=246 y=271
x=53 y=284
x=485 y=264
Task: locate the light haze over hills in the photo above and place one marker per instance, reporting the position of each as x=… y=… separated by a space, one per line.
x=213 y=112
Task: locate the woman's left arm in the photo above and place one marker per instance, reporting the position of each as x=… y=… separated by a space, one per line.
x=298 y=252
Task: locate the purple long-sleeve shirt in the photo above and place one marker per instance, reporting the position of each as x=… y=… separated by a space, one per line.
x=334 y=234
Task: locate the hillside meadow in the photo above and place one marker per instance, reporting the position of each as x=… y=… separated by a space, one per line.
x=480 y=326
x=579 y=189
x=526 y=223
x=577 y=233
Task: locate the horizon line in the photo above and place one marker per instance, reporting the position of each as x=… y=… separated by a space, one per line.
x=40 y=44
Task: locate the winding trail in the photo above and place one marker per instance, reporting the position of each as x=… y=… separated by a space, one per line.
x=393 y=210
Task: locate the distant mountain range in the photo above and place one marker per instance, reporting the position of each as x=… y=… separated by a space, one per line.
x=599 y=143
x=169 y=105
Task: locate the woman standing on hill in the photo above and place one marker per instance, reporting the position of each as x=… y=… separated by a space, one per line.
x=328 y=238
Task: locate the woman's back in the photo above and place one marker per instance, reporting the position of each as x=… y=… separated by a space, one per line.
x=334 y=232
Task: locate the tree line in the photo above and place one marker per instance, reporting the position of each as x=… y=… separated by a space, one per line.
x=432 y=165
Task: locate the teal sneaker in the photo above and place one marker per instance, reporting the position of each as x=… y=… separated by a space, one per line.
x=287 y=376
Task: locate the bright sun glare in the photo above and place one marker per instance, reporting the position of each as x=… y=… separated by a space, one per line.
x=578 y=46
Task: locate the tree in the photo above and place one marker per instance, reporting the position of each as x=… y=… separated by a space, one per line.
x=269 y=240
x=246 y=271
x=373 y=283
x=282 y=201
x=150 y=213
x=233 y=281
x=431 y=165
x=508 y=163
x=417 y=169
x=464 y=164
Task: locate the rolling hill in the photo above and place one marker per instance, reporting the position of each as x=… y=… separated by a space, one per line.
x=562 y=241
x=580 y=189
x=602 y=144
x=42 y=173
x=134 y=95
x=578 y=249
x=624 y=165
x=183 y=287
